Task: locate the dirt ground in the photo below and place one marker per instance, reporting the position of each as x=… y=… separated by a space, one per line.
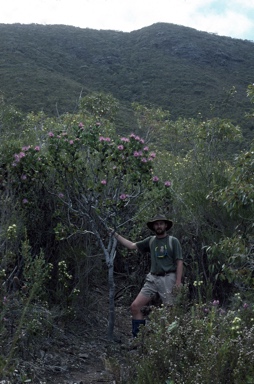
x=78 y=352
x=92 y=358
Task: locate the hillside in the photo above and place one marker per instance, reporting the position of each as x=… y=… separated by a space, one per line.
x=178 y=68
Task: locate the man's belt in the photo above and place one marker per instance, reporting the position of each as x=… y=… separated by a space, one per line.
x=162 y=273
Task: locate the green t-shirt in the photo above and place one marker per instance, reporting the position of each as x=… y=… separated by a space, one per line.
x=163 y=258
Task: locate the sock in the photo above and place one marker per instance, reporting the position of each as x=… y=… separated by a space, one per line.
x=135 y=326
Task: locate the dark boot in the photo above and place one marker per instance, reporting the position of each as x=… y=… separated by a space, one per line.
x=135 y=326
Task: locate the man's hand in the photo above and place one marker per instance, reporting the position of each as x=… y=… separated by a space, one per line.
x=177 y=288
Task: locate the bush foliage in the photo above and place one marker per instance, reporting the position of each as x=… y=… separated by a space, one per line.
x=65 y=181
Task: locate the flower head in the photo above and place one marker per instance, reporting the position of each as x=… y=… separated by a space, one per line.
x=104 y=182
x=101 y=138
x=26 y=148
x=120 y=147
x=155 y=179
x=167 y=183
x=125 y=139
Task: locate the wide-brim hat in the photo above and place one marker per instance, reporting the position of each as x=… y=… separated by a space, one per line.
x=159 y=218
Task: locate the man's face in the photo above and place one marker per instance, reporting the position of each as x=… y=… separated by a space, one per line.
x=160 y=227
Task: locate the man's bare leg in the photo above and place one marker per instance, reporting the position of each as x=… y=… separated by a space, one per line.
x=140 y=301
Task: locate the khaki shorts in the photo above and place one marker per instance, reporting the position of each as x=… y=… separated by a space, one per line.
x=162 y=285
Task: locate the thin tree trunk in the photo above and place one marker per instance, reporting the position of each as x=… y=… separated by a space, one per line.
x=111 y=323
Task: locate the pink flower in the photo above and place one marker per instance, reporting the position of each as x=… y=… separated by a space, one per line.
x=153 y=155
x=245 y=305
x=81 y=125
x=60 y=195
x=215 y=303
x=103 y=182
x=142 y=141
x=144 y=160
x=51 y=134
x=71 y=142
x=155 y=179
x=24 y=201
x=136 y=154
x=101 y=138
x=120 y=147
x=132 y=135
x=125 y=139
x=26 y=148
x=146 y=149
x=167 y=183
x=23 y=177
x=22 y=154
x=123 y=196
x=37 y=148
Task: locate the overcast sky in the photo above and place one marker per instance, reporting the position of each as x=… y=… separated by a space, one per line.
x=233 y=18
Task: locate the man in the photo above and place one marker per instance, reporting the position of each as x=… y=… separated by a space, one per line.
x=166 y=267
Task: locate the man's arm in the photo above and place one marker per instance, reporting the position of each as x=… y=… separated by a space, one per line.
x=179 y=272
x=125 y=242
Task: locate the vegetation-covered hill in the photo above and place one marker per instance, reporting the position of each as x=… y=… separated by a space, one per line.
x=180 y=69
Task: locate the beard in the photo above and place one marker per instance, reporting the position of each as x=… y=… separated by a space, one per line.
x=160 y=231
